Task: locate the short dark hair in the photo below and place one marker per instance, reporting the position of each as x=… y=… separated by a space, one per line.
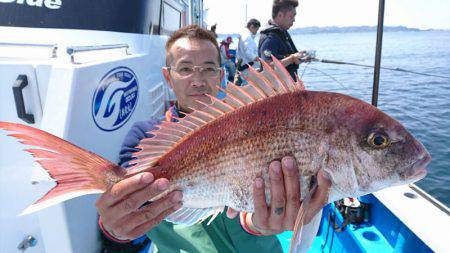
x=253 y=22
x=283 y=6
x=191 y=32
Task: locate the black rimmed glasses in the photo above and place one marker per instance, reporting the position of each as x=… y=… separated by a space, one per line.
x=186 y=71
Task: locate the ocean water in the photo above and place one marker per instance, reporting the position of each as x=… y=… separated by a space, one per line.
x=421 y=103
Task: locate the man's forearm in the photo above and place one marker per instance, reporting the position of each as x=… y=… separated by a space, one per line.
x=288 y=60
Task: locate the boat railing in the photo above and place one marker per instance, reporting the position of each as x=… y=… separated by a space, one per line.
x=428 y=197
x=54 y=47
x=79 y=49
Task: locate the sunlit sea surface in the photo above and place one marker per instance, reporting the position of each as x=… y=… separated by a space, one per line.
x=421 y=103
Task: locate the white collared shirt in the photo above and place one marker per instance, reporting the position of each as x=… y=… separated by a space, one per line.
x=247 y=47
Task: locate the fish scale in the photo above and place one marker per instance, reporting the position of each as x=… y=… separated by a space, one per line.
x=240 y=157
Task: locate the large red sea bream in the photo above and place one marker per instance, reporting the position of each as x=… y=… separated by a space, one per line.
x=214 y=154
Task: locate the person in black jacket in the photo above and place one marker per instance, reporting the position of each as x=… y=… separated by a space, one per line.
x=275 y=39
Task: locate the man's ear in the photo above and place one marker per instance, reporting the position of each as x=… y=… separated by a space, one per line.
x=280 y=15
x=222 y=75
x=166 y=75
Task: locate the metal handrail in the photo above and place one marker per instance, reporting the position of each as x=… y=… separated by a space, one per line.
x=73 y=50
x=53 y=46
x=430 y=198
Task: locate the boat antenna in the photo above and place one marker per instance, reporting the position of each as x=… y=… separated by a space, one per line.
x=376 y=70
x=246 y=13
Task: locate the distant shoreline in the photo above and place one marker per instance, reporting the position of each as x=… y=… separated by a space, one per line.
x=349 y=29
x=353 y=29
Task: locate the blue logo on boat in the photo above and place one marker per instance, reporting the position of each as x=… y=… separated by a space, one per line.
x=115 y=99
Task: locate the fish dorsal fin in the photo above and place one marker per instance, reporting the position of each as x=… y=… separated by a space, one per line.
x=283 y=73
x=261 y=85
x=299 y=84
x=238 y=95
x=274 y=79
x=259 y=80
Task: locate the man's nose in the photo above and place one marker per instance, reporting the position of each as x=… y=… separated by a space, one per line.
x=198 y=80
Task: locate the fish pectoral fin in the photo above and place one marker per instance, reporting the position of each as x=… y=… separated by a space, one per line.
x=191 y=216
x=302 y=233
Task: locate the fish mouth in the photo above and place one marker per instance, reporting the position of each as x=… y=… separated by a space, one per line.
x=417 y=170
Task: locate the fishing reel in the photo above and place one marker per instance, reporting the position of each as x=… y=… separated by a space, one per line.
x=353 y=211
x=308 y=56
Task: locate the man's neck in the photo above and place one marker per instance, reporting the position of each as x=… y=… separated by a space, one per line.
x=251 y=33
x=273 y=22
x=180 y=110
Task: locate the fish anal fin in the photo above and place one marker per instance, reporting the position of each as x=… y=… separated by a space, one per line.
x=189 y=216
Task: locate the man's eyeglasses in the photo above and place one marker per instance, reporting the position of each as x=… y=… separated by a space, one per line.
x=187 y=71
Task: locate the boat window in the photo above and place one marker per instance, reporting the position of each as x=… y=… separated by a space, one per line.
x=154 y=12
x=196 y=12
x=173 y=16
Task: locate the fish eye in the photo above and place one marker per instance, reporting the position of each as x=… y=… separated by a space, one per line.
x=378 y=140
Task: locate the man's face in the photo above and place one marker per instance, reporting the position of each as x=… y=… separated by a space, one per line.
x=188 y=89
x=253 y=29
x=287 y=18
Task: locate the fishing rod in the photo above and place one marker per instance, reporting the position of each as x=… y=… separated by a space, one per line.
x=369 y=66
x=310 y=56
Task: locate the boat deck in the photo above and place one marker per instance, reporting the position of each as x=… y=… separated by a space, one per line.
x=383 y=233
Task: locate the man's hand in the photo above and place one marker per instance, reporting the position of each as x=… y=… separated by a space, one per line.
x=293 y=59
x=120 y=209
x=298 y=57
x=285 y=199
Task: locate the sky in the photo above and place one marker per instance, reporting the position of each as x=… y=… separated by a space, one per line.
x=424 y=14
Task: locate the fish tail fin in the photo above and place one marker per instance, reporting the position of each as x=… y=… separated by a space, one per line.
x=77 y=172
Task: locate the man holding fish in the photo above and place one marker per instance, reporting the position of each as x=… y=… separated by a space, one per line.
x=192 y=71
x=211 y=153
